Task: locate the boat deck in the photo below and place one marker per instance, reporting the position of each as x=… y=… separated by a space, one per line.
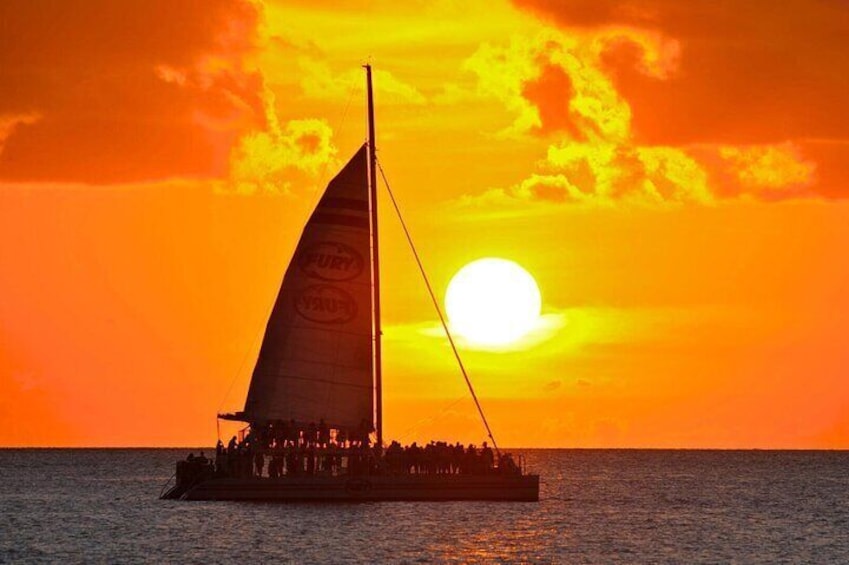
x=517 y=488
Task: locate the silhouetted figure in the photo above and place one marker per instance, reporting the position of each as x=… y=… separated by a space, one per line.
x=471 y=459
x=487 y=458
x=310 y=460
x=414 y=463
x=363 y=432
x=323 y=433
x=294 y=433
x=282 y=433
x=394 y=457
x=457 y=453
x=259 y=463
x=311 y=434
x=507 y=466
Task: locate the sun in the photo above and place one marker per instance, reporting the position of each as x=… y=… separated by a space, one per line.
x=492 y=302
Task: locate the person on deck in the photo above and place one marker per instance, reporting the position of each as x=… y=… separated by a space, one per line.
x=291 y=462
x=394 y=458
x=471 y=459
x=293 y=432
x=310 y=434
x=259 y=462
x=323 y=433
x=457 y=454
x=507 y=465
x=220 y=459
x=487 y=458
x=364 y=431
x=310 y=454
x=282 y=433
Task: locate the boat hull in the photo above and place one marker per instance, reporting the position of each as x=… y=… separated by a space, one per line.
x=517 y=488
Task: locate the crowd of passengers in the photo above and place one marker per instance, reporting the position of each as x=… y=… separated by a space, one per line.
x=286 y=449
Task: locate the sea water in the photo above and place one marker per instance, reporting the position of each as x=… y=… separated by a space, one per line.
x=596 y=506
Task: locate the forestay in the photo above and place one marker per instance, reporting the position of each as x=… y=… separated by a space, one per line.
x=316 y=357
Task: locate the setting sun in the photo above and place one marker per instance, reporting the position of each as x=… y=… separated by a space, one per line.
x=493 y=302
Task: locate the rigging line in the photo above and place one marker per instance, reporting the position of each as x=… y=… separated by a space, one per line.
x=168 y=482
x=242 y=364
x=438 y=309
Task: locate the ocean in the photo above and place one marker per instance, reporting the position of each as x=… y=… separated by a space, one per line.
x=597 y=506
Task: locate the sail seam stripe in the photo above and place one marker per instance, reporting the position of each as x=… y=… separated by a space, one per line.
x=340 y=220
x=327 y=363
x=314 y=380
x=302 y=326
x=336 y=383
x=344 y=204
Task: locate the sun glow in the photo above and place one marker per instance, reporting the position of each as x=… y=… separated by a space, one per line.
x=493 y=302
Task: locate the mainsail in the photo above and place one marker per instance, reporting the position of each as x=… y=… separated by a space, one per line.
x=316 y=360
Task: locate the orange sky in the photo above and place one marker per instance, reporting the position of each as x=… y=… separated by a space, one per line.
x=672 y=173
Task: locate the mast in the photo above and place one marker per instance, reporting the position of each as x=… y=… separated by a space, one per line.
x=378 y=376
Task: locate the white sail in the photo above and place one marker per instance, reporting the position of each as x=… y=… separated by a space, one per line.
x=316 y=359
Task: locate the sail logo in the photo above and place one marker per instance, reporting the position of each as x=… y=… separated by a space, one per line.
x=331 y=261
x=326 y=304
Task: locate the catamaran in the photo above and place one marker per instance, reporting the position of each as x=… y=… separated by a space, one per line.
x=315 y=396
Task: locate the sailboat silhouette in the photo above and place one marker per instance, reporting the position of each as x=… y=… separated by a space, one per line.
x=315 y=396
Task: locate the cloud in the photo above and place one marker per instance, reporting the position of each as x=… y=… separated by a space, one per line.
x=557 y=88
x=126 y=91
x=546 y=327
x=561 y=85
x=747 y=81
x=556 y=82
x=770 y=168
x=552 y=386
x=319 y=82
x=740 y=66
x=277 y=160
x=604 y=175
x=8 y=124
